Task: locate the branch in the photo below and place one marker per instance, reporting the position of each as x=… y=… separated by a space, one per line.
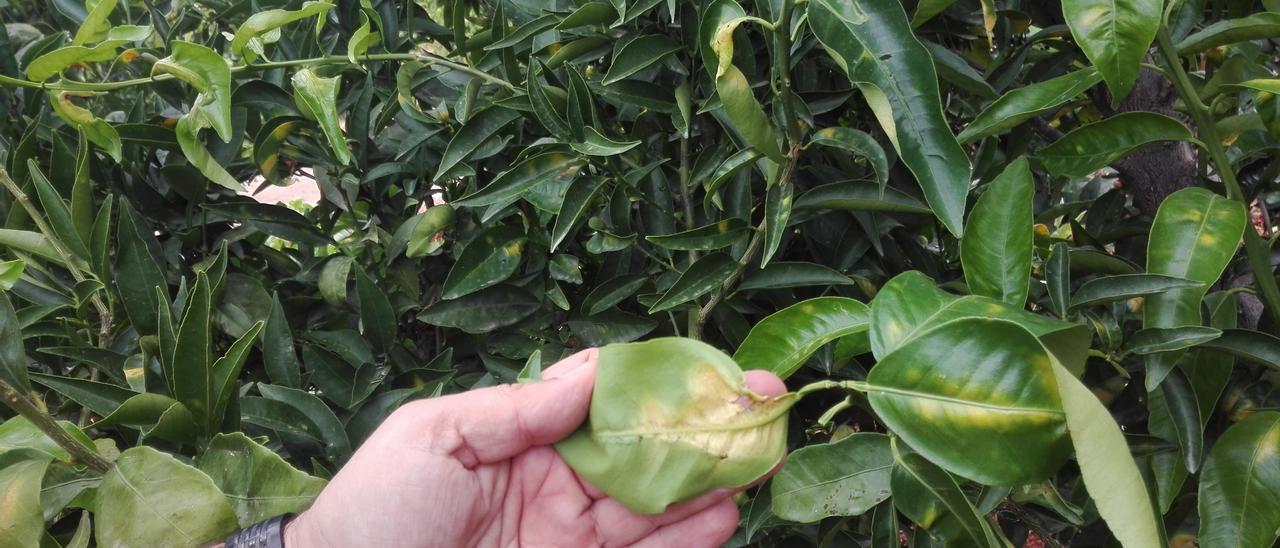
x=28 y=409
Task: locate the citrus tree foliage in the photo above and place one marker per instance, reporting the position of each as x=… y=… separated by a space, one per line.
x=1015 y=256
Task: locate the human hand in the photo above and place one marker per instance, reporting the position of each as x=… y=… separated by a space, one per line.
x=478 y=469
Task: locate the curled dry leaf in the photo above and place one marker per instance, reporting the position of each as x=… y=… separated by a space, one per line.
x=672 y=418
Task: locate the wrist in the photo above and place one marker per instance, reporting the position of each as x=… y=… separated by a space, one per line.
x=294 y=534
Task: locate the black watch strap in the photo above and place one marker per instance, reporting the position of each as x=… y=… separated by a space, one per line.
x=264 y=534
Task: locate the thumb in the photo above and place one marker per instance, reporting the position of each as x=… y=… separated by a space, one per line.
x=497 y=423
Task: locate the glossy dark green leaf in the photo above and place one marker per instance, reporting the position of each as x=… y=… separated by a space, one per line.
x=258 y=483
x=1167 y=339
x=1106 y=289
x=150 y=498
x=13 y=354
x=523 y=33
x=697 y=280
x=1264 y=24
x=1254 y=346
x=582 y=191
x=975 y=378
x=777 y=212
x=996 y=250
x=27 y=241
x=841 y=478
x=317 y=99
x=873 y=43
x=1091 y=147
x=1019 y=105
x=857 y=142
x=1194 y=236
x=57 y=213
x=225 y=371
x=100 y=397
x=314 y=411
x=665 y=425
x=1239 y=484
x=610 y=326
x=1184 y=411
x=1115 y=35
x=137 y=271
x=487 y=260
x=859 y=196
x=713 y=236
x=591 y=13
x=479 y=128
x=1057 y=274
x=781 y=342
x=639 y=54
x=523 y=176
x=611 y=292
x=595 y=144
x=192 y=354
x=779 y=275
x=279 y=358
x=943 y=492
x=376 y=315
x=483 y=311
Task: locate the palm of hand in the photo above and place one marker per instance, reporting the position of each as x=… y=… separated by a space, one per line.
x=477 y=469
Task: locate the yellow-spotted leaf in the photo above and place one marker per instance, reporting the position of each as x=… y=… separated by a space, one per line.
x=1194 y=235
x=670 y=419
x=489 y=259
x=785 y=339
x=975 y=379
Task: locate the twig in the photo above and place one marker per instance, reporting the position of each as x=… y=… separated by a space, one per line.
x=26 y=407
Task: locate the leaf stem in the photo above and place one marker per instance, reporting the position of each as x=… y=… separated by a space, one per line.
x=28 y=409
x=828 y=384
x=782 y=71
x=1256 y=249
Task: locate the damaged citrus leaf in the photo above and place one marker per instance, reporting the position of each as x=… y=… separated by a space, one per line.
x=667 y=423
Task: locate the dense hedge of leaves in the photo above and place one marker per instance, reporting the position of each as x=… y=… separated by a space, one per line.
x=503 y=182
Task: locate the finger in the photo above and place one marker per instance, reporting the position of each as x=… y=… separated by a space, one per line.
x=499 y=422
x=708 y=528
x=765 y=383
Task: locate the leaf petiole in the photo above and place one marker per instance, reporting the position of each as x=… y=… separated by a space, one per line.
x=858 y=386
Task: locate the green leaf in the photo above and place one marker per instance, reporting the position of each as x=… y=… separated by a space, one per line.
x=639 y=54
x=100 y=397
x=483 y=311
x=665 y=425
x=739 y=100
x=377 y=318
x=151 y=499
x=278 y=356
x=697 y=280
x=777 y=212
x=258 y=483
x=857 y=142
x=364 y=37
x=333 y=279
x=713 y=17
x=595 y=144
x=315 y=412
x=610 y=326
x=780 y=275
x=873 y=43
x=13 y=354
x=137 y=270
x=192 y=355
x=782 y=342
x=1115 y=35
x=1254 y=346
x=1239 y=484
x=30 y=242
x=1167 y=339
x=1057 y=274
x=188 y=133
x=209 y=73
x=1264 y=24
x=582 y=191
x=96 y=24
x=21 y=520
x=841 y=478
x=1105 y=289
x=996 y=251
x=1184 y=412
x=224 y=373
x=1024 y=103
x=256 y=30
x=1106 y=465
x=487 y=260
x=859 y=196
x=955 y=69
x=532 y=371
x=11 y=272
x=523 y=33
x=50 y=64
x=611 y=292
x=975 y=378
x=589 y=14
x=717 y=235
x=57 y=212
x=1194 y=236
x=317 y=99
x=531 y=172
x=478 y=129
x=1091 y=147
x=943 y=493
